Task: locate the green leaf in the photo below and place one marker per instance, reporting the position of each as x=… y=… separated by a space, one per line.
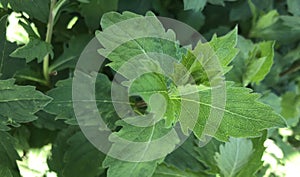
x=219 y=2
x=202 y=61
x=243 y=116
x=195 y=5
x=62 y=104
x=260 y=62
x=140 y=154
x=290 y=105
x=185 y=157
x=169 y=171
x=94 y=9
x=8 y=65
x=9 y=156
x=80 y=151
x=293 y=7
x=128 y=43
x=19 y=103
x=253 y=62
x=72 y=51
x=40 y=48
x=206 y=155
x=254 y=161
x=38 y=9
x=233 y=156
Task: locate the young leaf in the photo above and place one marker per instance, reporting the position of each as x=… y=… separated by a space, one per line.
x=9 y=156
x=18 y=104
x=233 y=156
x=40 y=48
x=253 y=62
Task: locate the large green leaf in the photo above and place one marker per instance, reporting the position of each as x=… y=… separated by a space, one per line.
x=9 y=156
x=141 y=144
x=19 y=103
x=243 y=116
x=8 y=65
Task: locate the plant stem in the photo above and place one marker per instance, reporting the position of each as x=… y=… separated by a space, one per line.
x=48 y=40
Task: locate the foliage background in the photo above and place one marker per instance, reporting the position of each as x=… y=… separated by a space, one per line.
x=47 y=140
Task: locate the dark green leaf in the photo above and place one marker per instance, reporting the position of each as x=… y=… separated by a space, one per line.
x=19 y=103
x=40 y=48
x=94 y=9
x=8 y=65
x=9 y=156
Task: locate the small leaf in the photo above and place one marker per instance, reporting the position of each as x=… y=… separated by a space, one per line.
x=233 y=156
x=195 y=5
x=40 y=48
x=293 y=7
x=18 y=104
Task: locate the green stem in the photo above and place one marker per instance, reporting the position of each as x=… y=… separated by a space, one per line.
x=43 y=82
x=48 y=40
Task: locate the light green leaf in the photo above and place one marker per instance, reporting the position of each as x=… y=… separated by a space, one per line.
x=202 y=62
x=169 y=171
x=40 y=48
x=260 y=62
x=18 y=104
x=38 y=9
x=9 y=156
x=253 y=62
x=233 y=156
x=154 y=141
x=8 y=65
x=195 y=5
x=94 y=9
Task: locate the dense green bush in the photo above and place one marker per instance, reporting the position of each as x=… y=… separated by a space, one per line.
x=255 y=43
